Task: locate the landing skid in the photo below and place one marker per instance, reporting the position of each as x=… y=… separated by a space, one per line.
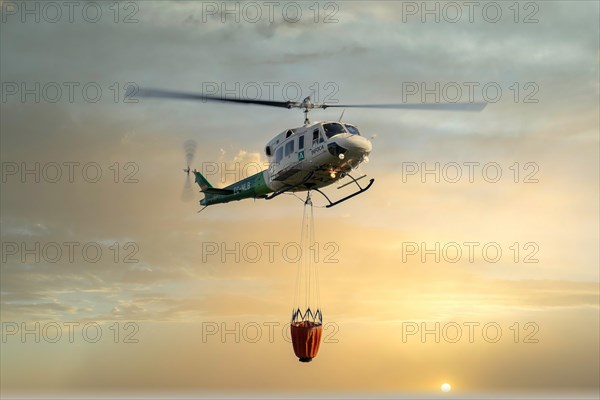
x=331 y=203
x=359 y=191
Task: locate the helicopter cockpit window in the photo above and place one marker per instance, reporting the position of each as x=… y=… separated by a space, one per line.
x=352 y=129
x=333 y=129
x=289 y=133
x=279 y=154
x=289 y=148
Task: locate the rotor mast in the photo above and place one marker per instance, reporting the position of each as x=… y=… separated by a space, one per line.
x=307 y=105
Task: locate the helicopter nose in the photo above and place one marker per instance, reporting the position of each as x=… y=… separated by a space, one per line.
x=356 y=145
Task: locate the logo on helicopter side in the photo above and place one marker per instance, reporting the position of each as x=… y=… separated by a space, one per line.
x=301 y=155
x=317 y=150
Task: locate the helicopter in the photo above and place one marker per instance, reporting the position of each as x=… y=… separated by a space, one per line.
x=302 y=159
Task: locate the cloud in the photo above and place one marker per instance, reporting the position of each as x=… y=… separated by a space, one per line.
x=293 y=58
x=174 y=287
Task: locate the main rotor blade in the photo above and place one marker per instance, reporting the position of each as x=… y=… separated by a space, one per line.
x=167 y=94
x=417 y=106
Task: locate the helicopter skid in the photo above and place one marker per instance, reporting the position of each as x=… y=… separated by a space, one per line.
x=359 y=191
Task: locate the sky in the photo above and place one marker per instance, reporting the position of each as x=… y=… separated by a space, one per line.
x=473 y=260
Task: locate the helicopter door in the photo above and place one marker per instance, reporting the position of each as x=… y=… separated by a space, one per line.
x=289 y=152
x=317 y=138
x=301 y=148
x=289 y=162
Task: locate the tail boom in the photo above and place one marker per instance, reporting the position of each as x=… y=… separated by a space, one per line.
x=252 y=187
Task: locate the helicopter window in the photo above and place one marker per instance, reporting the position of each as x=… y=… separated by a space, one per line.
x=317 y=138
x=268 y=151
x=333 y=129
x=289 y=148
x=301 y=142
x=279 y=154
x=352 y=129
x=289 y=133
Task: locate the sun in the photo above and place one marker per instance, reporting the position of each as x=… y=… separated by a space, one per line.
x=446 y=387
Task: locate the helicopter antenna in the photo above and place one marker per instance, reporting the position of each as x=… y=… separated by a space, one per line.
x=341 y=116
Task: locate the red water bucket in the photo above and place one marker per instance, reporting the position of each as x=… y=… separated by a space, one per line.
x=306 y=338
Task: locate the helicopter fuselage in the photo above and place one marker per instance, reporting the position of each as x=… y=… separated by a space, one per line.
x=300 y=159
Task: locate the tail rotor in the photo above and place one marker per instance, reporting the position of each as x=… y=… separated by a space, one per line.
x=190 y=150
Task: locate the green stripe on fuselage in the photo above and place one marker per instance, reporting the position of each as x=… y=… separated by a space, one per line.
x=251 y=187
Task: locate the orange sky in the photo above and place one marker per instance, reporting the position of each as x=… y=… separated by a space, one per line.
x=175 y=292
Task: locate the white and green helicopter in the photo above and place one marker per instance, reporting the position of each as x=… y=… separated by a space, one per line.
x=306 y=158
